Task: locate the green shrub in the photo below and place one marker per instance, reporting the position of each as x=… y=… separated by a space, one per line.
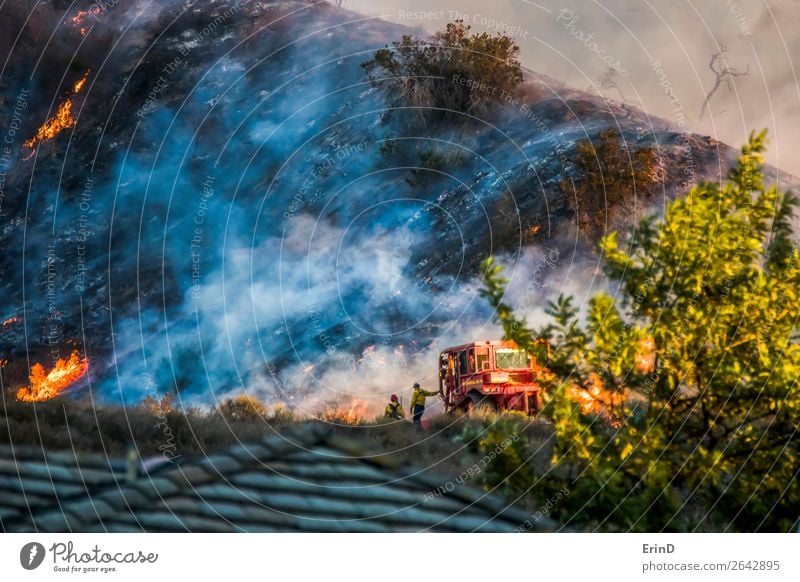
x=711 y=292
x=607 y=173
x=453 y=72
x=242 y=407
x=503 y=459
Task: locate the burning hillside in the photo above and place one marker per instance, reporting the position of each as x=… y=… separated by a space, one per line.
x=233 y=210
x=63 y=119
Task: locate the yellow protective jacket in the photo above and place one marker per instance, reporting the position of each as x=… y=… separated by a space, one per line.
x=418 y=397
x=394 y=410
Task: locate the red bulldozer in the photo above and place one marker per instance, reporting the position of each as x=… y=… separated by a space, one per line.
x=489 y=375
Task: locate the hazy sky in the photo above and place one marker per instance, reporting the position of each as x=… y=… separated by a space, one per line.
x=633 y=35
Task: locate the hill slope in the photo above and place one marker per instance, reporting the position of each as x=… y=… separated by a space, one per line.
x=233 y=208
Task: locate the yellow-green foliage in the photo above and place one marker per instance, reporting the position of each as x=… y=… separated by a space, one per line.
x=503 y=460
x=712 y=441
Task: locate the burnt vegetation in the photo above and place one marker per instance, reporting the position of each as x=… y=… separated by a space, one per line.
x=608 y=173
x=445 y=83
x=452 y=75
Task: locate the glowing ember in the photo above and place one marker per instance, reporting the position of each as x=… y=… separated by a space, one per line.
x=62 y=120
x=45 y=386
x=79 y=85
x=79 y=19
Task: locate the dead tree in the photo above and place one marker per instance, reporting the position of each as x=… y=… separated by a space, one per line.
x=723 y=73
x=610 y=80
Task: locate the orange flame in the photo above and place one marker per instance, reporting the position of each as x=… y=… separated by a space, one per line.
x=62 y=120
x=80 y=83
x=354 y=413
x=10 y=321
x=357 y=411
x=646 y=356
x=79 y=19
x=595 y=399
x=45 y=386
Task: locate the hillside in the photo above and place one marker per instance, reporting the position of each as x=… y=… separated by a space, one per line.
x=233 y=209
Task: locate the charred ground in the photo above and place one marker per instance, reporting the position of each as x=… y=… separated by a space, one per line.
x=269 y=104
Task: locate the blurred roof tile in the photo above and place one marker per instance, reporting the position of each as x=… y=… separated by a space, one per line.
x=308 y=480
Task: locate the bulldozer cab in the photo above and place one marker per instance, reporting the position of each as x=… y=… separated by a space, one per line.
x=512 y=359
x=497 y=370
x=456 y=364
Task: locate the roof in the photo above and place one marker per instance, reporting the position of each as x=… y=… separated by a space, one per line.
x=309 y=480
x=32 y=479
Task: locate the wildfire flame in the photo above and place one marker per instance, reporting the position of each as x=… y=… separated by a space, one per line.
x=357 y=411
x=79 y=19
x=595 y=399
x=45 y=386
x=63 y=119
x=646 y=356
x=80 y=83
x=353 y=413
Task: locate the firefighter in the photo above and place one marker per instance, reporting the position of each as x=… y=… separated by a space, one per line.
x=418 y=402
x=393 y=409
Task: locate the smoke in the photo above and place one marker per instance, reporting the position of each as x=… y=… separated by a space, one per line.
x=632 y=35
x=296 y=283
x=225 y=218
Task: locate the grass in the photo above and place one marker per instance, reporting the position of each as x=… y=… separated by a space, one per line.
x=448 y=447
x=156 y=427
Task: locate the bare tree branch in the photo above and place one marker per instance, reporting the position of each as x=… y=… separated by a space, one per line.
x=610 y=81
x=723 y=74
